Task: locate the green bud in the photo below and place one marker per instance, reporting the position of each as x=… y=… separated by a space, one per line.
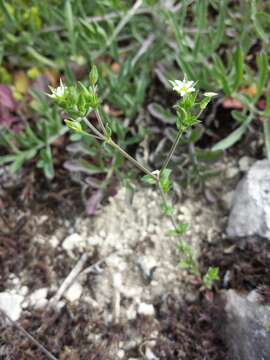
x=74 y=125
x=207 y=98
x=93 y=76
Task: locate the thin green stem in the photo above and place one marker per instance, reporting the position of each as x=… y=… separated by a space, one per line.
x=118 y=148
x=101 y=124
x=95 y=131
x=164 y=199
x=132 y=160
x=170 y=155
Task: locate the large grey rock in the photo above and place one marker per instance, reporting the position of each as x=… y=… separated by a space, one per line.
x=247 y=328
x=250 y=213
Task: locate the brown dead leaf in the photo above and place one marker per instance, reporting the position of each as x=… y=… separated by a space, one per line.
x=52 y=76
x=249 y=90
x=110 y=111
x=115 y=68
x=231 y=103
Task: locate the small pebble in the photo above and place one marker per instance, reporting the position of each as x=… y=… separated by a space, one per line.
x=74 y=292
x=10 y=304
x=146 y=309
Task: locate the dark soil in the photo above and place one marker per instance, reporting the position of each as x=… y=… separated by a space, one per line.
x=187 y=330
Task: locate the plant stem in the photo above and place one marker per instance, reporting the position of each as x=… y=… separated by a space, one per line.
x=170 y=155
x=132 y=160
x=164 y=199
x=95 y=131
x=122 y=151
x=100 y=121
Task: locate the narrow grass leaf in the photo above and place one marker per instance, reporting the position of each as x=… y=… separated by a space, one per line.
x=238 y=68
x=233 y=137
x=262 y=63
x=266 y=130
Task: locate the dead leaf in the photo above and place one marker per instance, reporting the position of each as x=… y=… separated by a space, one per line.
x=115 y=68
x=52 y=76
x=249 y=90
x=21 y=82
x=231 y=103
x=6 y=98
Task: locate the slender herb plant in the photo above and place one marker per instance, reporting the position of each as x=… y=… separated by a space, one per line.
x=79 y=101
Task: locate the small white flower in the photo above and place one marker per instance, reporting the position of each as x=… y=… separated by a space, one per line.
x=210 y=94
x=183 y=87
x=59 y=91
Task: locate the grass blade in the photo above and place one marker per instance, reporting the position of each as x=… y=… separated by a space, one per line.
x=266 y=131
x=238 y=68
x=233 y=137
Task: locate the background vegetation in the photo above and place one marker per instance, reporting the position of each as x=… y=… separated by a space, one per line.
x=136 y=45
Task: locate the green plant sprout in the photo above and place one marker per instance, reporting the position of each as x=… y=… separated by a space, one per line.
x=79 y=101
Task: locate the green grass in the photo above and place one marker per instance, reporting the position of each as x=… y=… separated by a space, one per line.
x=222 y=45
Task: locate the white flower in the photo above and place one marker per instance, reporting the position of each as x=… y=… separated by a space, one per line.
x=210 y=94
x=58 y=92
x=183 y=87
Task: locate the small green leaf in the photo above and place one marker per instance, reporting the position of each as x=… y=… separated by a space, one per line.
x=165 y=182
x=149 y=180
x=210 y=277
x=179 y=230
x=93 y=76
x=167 y=209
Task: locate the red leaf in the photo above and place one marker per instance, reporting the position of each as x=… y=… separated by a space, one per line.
x=6 y=98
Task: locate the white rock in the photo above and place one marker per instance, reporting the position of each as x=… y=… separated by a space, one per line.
x=54 y=241
x=38 y=298
x=11 y=305
x=227 y=199
x=146 y=309
x=121 y=354
x=244 y=163
x=131 y=312
x=74 y=292
x=117 y=281
x=72 y=242
x=231 y=172
x=250 y=214
x=149 y=355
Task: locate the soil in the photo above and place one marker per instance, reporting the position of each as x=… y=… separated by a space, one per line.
x=137 y=263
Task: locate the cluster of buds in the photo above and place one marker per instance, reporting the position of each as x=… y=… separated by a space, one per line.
x=76 y=101
x=186 y=107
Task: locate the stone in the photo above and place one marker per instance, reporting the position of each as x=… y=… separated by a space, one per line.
x=244 y=163
x=231 y=172
x=11 y=305
x=147 y=310
x=227 y=200
x=121 y=354
x=72 y=242
x=250 y=213
x=247 y=329
x=74 y=292
x=149 y=355
x=38 y=299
